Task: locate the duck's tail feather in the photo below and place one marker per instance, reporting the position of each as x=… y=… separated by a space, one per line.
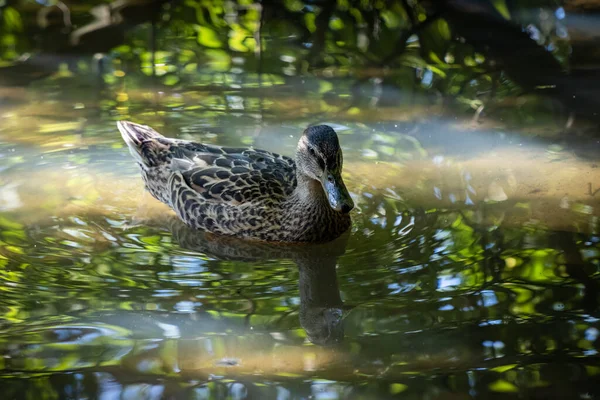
x=142 y=142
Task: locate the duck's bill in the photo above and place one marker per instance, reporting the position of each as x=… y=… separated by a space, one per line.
x=337 y=194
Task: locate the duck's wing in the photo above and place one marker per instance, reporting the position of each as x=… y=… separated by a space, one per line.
x=234 y=175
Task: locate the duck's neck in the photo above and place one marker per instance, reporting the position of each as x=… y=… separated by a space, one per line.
x=310 y=192
x=309 y=213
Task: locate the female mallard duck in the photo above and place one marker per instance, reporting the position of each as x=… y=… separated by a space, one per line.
x=248 y=193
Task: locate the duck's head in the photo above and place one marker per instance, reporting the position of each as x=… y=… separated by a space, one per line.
x=319 y=157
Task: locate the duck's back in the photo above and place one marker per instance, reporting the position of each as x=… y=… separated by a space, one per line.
x=234 y=175
x=234 y=191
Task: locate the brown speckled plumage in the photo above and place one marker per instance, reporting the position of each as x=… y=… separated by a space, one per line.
x=247 y=193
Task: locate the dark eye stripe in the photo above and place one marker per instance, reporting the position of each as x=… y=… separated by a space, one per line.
x=321 y=163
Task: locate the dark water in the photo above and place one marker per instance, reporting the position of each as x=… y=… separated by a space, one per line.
x=438 y=291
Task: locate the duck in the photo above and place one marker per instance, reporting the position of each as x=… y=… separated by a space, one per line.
x=248 y=193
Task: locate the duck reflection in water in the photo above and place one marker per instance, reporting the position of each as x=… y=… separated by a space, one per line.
x=321 y=307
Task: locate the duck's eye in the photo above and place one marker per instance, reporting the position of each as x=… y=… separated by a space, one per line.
x=311 y=151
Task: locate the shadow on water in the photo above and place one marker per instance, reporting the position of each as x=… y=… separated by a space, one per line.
x=321 y=308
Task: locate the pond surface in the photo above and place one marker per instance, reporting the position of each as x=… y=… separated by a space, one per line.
x=472 y=269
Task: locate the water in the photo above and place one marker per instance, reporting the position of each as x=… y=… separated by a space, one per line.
x=471 y=270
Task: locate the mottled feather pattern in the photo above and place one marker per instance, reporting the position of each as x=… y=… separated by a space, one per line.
x=217 y=217
x=219 y=173
x=238 y=176
x=243 y=192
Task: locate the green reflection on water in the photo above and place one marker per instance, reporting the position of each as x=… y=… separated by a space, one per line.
x=102 y=290
x=466 y=273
